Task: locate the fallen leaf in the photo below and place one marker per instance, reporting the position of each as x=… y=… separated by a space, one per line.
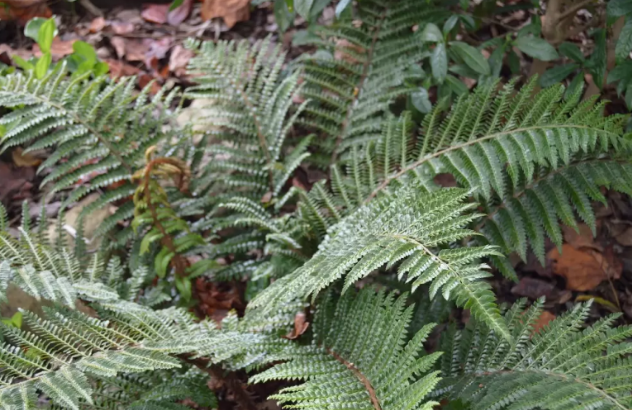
x=59 y=48
x=121 y=69
x=545 y=318
x=625 y=238
x=232 y=11
x=135 y=50
x=155 y=13
x=24 y=10
x=10 y=52
x=347 y=51
x=145 y=79
x=118 y=43
x=120 y=28
x=180 y=13
x=300 y=326
x=20 y=159
x=582 y=239
x=603 y=302
x=583 y=269
x=158 y=50
x=179 y=59
x=97 y=25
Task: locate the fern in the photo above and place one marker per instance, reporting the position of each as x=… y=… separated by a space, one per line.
x=407 y=228
x=362 y=68
x=529 y=161
x=367 y=365
x=560 y=367
x=98 y=129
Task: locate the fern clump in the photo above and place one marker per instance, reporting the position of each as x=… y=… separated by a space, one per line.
x=344 y=287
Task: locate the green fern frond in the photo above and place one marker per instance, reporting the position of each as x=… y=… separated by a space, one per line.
x=409 y=227
x=249 y=113
x=362 y=67
x=98 y=129
x=359 y=358
x=562 y=366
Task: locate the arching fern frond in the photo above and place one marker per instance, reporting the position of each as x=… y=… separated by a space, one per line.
x=562 y=366
x=248 y=113
x=359 y=358
x=98 y=129
x=409 y=227
x=362 y=67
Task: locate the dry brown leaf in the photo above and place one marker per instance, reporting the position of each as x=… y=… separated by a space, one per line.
x=300 y=326
x=97 y=25
x=180 y=13
x=14 y=179
x=232 y=11
x=534 y=288
x=179 y=59
x=118 y=43
x=545 y=318
x=59 y=48
x=24 y=10
x=583 y=269
x=136 y=50
x=20 y=159
x=582 y=239
x=120 y=69
x=155 y=13
x=122 y=28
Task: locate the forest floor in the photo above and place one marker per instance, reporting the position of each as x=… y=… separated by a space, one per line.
x=146 y=40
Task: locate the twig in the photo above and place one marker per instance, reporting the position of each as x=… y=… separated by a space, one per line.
x=91 y=8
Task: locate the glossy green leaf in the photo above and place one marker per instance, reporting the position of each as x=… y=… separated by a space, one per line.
x=571 y=51
x=341 y=6
x=22 y=63
x=101 y=68
x=85 y=51
x=303 y=7
x=439 y=62
x=42 y=65
x=450 y=23
x=537 y=48
x=431 y=33
x=576 y=82
x=471 y=57
x=557 y=74
x=175 y=4
x=456 y=85
x=624 y=43
x=598 y=60
x=31 y=30
x=420 y=100
x=282 y=15
x=46 y=34
x=618 y=8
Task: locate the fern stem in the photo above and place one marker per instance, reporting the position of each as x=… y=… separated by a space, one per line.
x=367 y=384
x=437 y=154
x=360 y=86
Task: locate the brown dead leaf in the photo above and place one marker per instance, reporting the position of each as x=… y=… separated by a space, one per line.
x=121 y=69
x=180 y=13
x=155 y=13
x=59 y=49
x=97 y=25
x=583 y=269
x=158 y=50
x=10 y=52
x=179 y=59
x=582 y=239
x=118 y=43
x=120 y=28
x=145 y=79
x=136 y=50
x=20 y=159
x=625 y=238
x=300 y=326
x=545 y=318
x=534 y=288
x=232 y=11
x=24 y=10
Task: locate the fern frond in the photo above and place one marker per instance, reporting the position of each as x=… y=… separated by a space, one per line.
x=98 y=129
x=249 y=113
x=362 y=68
x=359 y=358
x=409 y=228
x=562 y=366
